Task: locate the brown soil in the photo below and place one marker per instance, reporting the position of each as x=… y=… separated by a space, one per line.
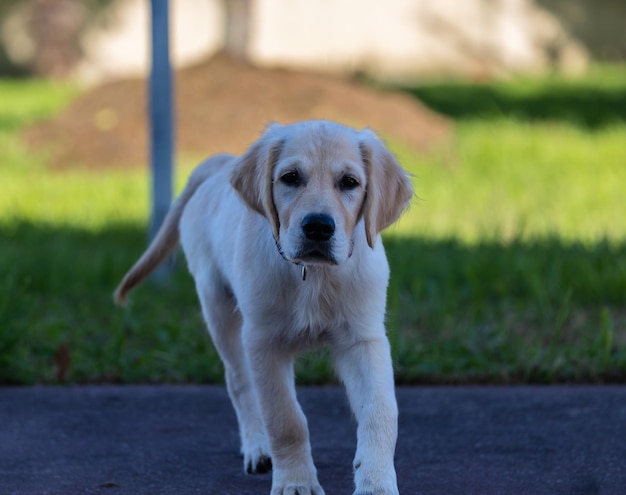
x=222 y=106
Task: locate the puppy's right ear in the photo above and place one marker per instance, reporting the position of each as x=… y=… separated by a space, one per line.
x=252 y=176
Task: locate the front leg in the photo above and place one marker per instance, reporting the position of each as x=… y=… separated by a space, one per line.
x=292 y=463
x=366 y=370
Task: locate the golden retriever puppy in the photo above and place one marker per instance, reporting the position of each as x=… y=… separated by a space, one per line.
x=283 y=243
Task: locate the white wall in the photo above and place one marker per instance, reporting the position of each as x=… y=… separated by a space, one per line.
x=389 y=38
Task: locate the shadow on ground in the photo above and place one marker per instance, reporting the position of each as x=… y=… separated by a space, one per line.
x=542 y=311
x=589 y=106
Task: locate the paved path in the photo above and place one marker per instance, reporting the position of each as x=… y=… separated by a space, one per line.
x=169 y=440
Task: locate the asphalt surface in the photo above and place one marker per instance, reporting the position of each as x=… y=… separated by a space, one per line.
x=171 y=440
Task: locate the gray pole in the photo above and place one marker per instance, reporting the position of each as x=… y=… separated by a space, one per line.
x=161 y=120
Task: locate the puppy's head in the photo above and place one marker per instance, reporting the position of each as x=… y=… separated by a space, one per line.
x=315 y=181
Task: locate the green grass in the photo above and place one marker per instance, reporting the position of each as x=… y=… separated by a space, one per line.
x=509 y=267
x=540 y=311
x=503 y=179
x=591 y=101
x=25 y=101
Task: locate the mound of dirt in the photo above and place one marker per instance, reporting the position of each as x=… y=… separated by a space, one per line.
x=223 y=106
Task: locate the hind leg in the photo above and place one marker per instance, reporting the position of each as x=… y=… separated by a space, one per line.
x=224 y=323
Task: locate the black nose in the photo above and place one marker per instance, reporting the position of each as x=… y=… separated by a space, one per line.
x=318 y=227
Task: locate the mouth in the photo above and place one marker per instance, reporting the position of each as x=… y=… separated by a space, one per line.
x=310 y=253
x=316 y=256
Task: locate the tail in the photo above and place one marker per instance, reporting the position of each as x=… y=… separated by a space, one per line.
x=167 y=237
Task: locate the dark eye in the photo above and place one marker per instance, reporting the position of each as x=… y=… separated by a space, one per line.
x=291 y=178
x=348 y=183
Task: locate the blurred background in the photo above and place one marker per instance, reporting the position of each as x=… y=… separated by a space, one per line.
x=510 y=267
x=400 y=39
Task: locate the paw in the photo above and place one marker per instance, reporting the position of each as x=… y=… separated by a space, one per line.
x=256 y=461
x=298 y=489
x=298 y=482
x=261 y=465
x=381 y=491
x=377 y=481
x=391 y=489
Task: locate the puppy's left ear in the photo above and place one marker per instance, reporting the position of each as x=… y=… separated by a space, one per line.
x=252 y=177
x=388 y=189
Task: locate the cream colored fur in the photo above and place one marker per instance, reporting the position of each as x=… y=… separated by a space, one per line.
x=241 y=223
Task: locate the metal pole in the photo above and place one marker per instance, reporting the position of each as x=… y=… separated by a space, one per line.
x=161 y=121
